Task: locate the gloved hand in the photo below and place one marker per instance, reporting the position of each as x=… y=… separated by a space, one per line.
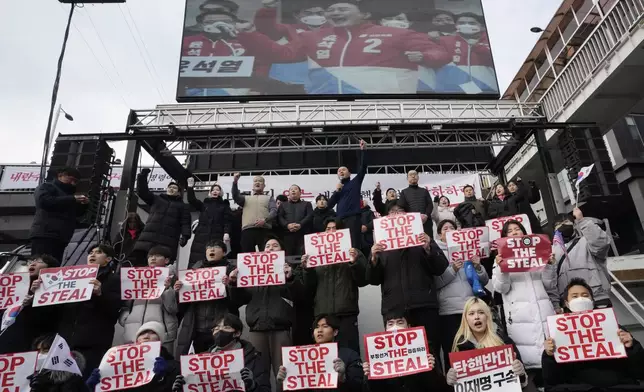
x=183 y=241
x=179 y=382
x=451 y=377
x=473 y=279
x=191 y=182
x=145 y=172
x=436 y=199
x=248 y=378
x=160 y=366
x=93 y=379
x=517 y=368
x=34 y=382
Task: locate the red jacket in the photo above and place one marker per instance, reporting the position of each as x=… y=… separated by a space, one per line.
x=463 y=53
x=202 y=46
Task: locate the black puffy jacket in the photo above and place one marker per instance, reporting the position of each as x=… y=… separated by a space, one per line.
x=259 y=367
x=471 y=213
x=56 y=211
x=497 y=208
x=215 y=219
x=407 y=276
x=416 y=198
x=379 y=206
x=168 y=220
x=366 y=218
x=319 y=216
x=524 y=196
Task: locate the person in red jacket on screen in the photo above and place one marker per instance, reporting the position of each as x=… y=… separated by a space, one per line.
x=353 y=55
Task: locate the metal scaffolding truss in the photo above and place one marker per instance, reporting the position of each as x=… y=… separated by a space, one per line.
x=221 y=116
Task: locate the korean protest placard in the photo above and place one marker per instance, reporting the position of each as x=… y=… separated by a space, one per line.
x=202 y=284
x=524 y=254
x=261 y=269
x=13 y=289
x=143 y=282
x=128 y=366
x=219 y=371
x=397 y=353
x=485 y=369
x=466 y=243
x=586 y=336
x=310 y=367
x=65 y=285
x=496 y=226
x=327 y=248
x=398 y=231
x=14 y=370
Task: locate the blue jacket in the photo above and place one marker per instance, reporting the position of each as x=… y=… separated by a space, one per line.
x=348 y=198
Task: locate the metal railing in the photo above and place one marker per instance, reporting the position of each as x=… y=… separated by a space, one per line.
x=604 y=40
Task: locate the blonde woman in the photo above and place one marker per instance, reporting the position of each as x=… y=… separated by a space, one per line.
x=478 y=331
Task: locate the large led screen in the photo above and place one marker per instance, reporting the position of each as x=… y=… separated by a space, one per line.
x=254 y=49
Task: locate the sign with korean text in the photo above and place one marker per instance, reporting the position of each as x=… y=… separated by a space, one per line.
x=128 y=366
x=397 y=353
x=524 y=254
x=398 y=231
x=327 y=248
x=219 y=371
x=485 y=369
x=310 y=367
x=496 y=226
x=64 y=285
x=202 y=284
x=586 y=336
x=14 y=370
x=143 y=282
x=13 y=289
x=261 y=269
x=216 y=66
x=467 y=243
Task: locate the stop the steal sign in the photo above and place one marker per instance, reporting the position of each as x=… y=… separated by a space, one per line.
x=397 y=353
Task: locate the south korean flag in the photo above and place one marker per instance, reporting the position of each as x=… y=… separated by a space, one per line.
x=60 y=357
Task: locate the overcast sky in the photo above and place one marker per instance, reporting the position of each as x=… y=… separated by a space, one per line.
x=126 y=56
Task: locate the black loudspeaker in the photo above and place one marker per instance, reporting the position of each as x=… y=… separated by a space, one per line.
x=581 y=147
x=93 y=159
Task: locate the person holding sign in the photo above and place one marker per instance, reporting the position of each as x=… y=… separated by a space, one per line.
x=163 y=309
x=44 y=380
x=585 y=372
x=335 y=290
x=295 y=217
x=527 y=302
x=477 y=330
x=406 y=277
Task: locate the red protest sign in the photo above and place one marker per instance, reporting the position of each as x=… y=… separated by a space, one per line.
x=310 y=367
x=327 y=248
x=143 y=282
x=261 y=269
x=485 y=369
x=467 y=243
x=14 y=370
x=13 y=289
x=398 y=231
x=586 y=336
x=65 y=285
x=202 y=284
x=496 y=226
x=524 y=254
x=128 y=366
x=397 y=353
x=219 y=371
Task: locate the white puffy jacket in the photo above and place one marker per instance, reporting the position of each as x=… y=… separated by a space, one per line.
x=527 y=302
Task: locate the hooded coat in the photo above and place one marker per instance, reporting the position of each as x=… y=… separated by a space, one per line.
x=215 y=220
x=126 y=238
x=56 y=212
x=59 y=381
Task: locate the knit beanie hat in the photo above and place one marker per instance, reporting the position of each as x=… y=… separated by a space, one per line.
x=153 y=326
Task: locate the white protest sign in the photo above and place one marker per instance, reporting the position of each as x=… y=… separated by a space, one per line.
x=467 y=243
x=202 y=284
x=63 y=285
x=14 y=370
x=397 y=353
x=261 y=269
x=586 y=336
x=128 y=366
x=310 y=367
x=327 y=248
x=13 y=289
x=496 y=226
x=485 y=369
x=143 y=282
x=398 y=231
x=219 y=371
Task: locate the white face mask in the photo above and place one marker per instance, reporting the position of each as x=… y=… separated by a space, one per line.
x=313 y=20
x=580 y=304
x=40 y=360
x=211 y=28
x=399 y=24
x=468 y=29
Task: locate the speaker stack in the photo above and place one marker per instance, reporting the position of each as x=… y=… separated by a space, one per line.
x=93 y=159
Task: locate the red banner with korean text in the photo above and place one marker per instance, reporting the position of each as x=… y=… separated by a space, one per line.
x=485 y=369
x=524 y=254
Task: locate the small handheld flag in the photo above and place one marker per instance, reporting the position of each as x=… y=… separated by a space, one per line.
x=584 y=172
x=60 y=357
x=9 y=317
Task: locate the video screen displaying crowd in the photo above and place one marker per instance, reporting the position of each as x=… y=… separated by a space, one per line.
x=448 y=323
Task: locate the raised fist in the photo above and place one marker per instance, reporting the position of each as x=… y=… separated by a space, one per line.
x=145 y=172
x=191 y=182
x=236 y=177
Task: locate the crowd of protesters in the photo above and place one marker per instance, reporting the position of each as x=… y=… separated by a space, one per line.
x=420 y=287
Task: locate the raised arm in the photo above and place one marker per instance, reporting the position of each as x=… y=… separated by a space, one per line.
x=142 y=187
x=192 y=199
x=377 y=201
x=186 y=222
x=268 y=50
x=266 y=22
x=597 y=240
x=237 y=196
x=363 y=164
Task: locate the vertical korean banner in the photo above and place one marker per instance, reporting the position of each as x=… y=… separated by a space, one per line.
x=496 y=226
x=398 y=231
x=397 y=353
x=143 y=282
x=219 y=372
x=13 y=289
x=202 y=284
x=485 y=369
x=586 y=336
x=261 y=269
x=14 y=370
x=65 y=285
x=524 y=254
x=327 y=248
x=128 y=366
x=467 y=243
x=310 y=367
